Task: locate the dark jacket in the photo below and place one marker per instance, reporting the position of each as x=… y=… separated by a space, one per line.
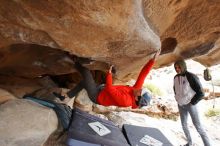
x=196 y=85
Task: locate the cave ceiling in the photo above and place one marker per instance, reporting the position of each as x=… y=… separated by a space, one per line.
x=41 y=37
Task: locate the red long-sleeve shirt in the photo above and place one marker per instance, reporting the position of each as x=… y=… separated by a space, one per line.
x=121 y=95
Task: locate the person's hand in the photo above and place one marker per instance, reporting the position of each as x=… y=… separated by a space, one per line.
x=157 y=54
x=110 y=69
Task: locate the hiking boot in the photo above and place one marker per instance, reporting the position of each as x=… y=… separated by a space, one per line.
x=187 y=144
x=81 y=60
x=59 y=96
x=84 y=60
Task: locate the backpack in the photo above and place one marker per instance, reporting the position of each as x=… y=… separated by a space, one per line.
x=207 y=75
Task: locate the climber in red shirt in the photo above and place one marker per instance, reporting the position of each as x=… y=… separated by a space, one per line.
x=117 y=95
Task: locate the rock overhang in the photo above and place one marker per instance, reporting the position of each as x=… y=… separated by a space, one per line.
x=124 y=33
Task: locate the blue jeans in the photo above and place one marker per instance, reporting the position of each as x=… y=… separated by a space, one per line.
x=184 y=111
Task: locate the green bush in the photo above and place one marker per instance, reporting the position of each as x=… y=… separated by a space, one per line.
x=154 y=89
x=212 y=112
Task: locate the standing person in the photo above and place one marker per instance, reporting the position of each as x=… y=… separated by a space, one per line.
x=117 y=95
x=188 y=92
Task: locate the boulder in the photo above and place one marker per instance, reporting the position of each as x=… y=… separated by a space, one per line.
x=25 y=123
x=5 y=96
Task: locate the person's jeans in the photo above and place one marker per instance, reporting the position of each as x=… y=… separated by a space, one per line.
x=184 y=111
x=88 y=83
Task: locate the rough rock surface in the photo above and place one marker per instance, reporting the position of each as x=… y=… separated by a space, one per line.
x=36 y=38
x=25 y=123
x=5 y=96
x=40 y=38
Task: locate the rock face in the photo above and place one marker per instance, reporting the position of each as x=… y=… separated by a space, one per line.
x=25 y=123
x=113 y=32
x=187 y=29
x=40 y=38
x=37 y=37
x=5 y=96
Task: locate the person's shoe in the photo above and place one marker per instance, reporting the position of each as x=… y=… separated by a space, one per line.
x=59 y=96
x=74 y=58
x=81 y=60
x=187 y=144
x=84 y=60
